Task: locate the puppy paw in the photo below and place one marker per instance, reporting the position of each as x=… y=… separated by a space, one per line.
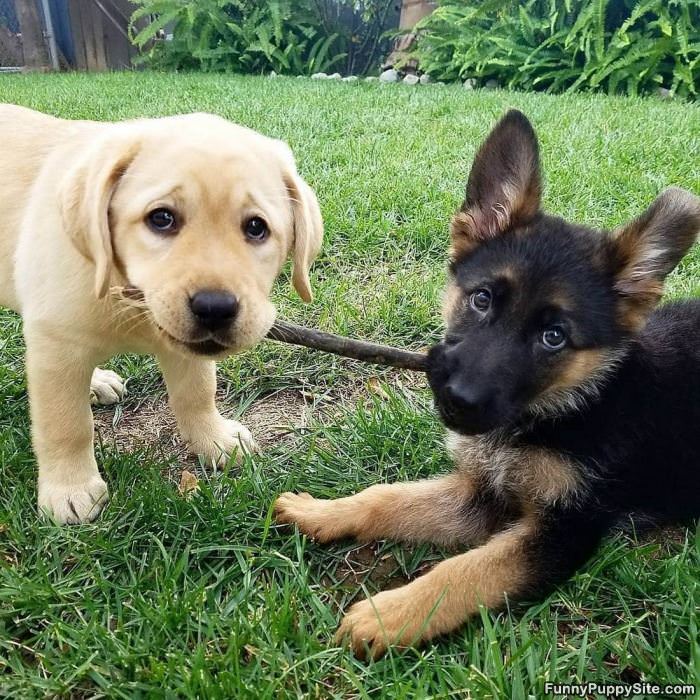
x=106 y=387
x=229 y=437
x=318 y=518
x=73 y=503
x=387 y=619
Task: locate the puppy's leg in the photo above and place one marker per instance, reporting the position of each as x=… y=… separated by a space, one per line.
x=58 y=376
x=445 y=511
x=524 y=560
x=191 y=386
x=106 y=387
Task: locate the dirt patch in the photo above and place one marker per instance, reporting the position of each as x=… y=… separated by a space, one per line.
x=273 y=419
x=278 y=416
x=149 y=423
x=370 y=565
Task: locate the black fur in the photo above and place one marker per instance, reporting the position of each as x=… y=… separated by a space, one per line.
x=485 y=357
x=638 y=445
x=619 y=401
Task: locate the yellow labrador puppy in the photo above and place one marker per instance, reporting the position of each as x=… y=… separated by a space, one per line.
x=197 y=213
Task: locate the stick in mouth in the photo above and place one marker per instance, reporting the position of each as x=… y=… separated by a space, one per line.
x=362 y=350
x=348 y=347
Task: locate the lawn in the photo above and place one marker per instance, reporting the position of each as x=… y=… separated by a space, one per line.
x=203 y=596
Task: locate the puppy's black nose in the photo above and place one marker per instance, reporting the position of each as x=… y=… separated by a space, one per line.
x=466 y=398
x=213 y=309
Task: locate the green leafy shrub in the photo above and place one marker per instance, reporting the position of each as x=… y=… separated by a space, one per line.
x=566 y=45
x=237 y=35
x=252 y=36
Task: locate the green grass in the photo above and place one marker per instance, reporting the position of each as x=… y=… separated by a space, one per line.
x=205 y=597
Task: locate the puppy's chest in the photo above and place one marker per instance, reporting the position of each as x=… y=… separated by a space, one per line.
x=530 y=474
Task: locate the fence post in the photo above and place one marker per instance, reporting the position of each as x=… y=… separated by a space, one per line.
x=33 y=46
x=50 y=36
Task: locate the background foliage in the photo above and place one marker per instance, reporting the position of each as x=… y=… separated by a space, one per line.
x=288 y=36
x=564 y=45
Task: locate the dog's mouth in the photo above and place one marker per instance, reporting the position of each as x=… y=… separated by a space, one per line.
x=209 y=347
x=465 y=424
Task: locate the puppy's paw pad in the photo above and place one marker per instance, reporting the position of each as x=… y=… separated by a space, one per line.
x=106 y=387
x=73 y=503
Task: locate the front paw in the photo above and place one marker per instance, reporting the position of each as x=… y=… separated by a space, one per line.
x=106 y=387
x=318 y=518
x=387 y=619
x=73 y=503
x=226 y=439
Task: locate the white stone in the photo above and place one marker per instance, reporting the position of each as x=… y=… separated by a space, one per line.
x=334 y=76
x=371 y=79
x=425 y=79
x=349 y=78
x=470 y=83
x=411 y=79
x=664 y=93
x=319 y=76
x=273 y=74
x=492 y=84
x=389 y=76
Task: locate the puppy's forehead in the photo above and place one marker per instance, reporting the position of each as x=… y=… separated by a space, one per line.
x=215 y=174
x=253 y=158
x=560 y=267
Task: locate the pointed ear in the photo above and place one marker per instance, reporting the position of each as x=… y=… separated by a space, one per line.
x=85 y=196
x=308 y=232
x=649 y=248
x=504 y=185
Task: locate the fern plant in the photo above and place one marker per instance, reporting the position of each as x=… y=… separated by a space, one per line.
x=564 y=45
x=233 y=35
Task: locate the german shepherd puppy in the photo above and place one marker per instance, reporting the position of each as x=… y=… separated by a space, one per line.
x=571 y=402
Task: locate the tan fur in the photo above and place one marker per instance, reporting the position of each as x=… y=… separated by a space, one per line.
x=74 y=195
x=539 y=476
x=577 y=368
x=463 y=235
x=632 y=315
x=649 y=247
x=441 y=600
x=452 y=301
x=421 y=511
x=517 y=204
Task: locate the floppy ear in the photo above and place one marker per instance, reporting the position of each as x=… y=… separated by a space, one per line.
x=308 y=233
x=85 y=195
x=503 y=190
x=649 y=248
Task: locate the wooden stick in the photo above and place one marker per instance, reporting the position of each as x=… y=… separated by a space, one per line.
x=328 y=342
x=348 y=347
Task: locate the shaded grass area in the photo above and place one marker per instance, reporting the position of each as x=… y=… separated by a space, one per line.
x=205 y=597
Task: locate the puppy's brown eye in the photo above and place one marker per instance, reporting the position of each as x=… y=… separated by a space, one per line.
x=554 y=338
x=162 y=220
x=480 y=300
x=256 y=229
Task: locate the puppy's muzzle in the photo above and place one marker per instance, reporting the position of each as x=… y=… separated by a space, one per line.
x=465 y=401
x=214 y=310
